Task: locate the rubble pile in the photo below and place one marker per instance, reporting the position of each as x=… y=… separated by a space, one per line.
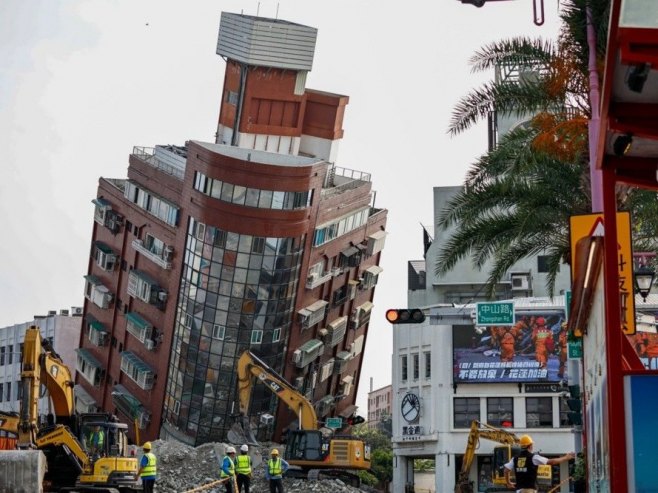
x=182 y=468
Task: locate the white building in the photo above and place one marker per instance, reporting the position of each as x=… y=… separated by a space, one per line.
x=62 y=329
x=448 y=372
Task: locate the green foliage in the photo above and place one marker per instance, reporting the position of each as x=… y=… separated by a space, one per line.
x=368 y=478
x=517 y=198
x=381 y=452
x=422 y=465
x=373 y=436
x=382 y=465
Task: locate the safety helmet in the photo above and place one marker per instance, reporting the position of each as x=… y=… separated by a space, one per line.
x=541 y=321
x=147 y=446
x=230 y=450
x=275 y=451
x=525 y=441
x=244 y=448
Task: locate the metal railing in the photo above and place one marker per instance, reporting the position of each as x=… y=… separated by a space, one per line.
x=147 y=155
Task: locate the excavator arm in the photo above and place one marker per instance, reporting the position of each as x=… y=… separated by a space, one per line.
x=57 y=378
x=9 y=422
x=480 y=430
x=251 y=367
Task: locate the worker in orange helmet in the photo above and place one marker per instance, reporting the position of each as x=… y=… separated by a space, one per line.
x=525 y=466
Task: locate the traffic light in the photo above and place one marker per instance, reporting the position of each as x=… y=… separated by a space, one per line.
x=575 y=413
x=356 y=420
x=405 y=316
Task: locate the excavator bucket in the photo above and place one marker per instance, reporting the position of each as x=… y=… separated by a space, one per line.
x=242 y=432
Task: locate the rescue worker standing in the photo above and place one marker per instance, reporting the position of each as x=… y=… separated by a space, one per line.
x=147 y=468
x=275 y=468
x=228 y=469
x=525 y=466
x=243 y=469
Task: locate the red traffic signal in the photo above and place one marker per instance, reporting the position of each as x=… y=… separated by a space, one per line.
x=405 y=316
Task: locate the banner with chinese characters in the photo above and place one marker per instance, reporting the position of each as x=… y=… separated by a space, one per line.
x=534 y=349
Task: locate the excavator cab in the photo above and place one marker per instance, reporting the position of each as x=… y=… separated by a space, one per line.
x=305 y=445
x=501 y=456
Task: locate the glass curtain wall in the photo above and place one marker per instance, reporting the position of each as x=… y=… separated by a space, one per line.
x=237 y=292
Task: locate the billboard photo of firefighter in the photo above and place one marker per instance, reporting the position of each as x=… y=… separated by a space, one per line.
x=534 y=349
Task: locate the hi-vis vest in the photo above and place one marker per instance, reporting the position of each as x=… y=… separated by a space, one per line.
x=150 y=468
x=243 y=464
x=275 y=467
x=231 y=468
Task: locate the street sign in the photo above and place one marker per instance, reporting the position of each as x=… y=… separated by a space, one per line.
x=334 y=423
x=592 y=225
x=575 y=349
x=567 y=303
x=497 y=313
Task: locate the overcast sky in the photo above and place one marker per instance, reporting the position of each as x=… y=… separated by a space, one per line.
x=82 y=82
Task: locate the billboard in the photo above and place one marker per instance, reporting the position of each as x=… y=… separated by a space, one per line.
x=534 y=349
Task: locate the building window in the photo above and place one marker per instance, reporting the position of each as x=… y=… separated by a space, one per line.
x=428 y=365
x=542 y=263
x=2 y=392
x=500 y=411
x=539 y=412
x=564 y=419
x=218 y=332
x=276 y=335
x=466 y=410
x=416 y=366
x=256 y=336
x=2 y=355
x=405 y=375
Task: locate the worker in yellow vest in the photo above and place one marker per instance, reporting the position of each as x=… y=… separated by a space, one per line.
x=147 y=468
x=228 y=469
x=275 y=468
x=243 y=469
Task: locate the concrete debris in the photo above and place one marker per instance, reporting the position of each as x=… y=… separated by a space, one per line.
x=182 y=468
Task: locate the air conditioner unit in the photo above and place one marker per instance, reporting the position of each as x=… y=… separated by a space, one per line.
x=520 y=282
x=266 y=419
x=76 y=311
x=149 y=344
x=322 y=333
x=299 y=383
x=336 y=271
x=296 y=356
x=312 y=277
x=168 y=252
x=162 y=296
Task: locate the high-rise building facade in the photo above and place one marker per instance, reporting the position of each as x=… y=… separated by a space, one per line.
x=256 y=241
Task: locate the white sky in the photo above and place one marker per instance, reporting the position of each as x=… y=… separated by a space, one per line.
x=83 y=81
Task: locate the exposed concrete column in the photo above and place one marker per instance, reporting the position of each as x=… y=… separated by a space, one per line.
x=403 y=469
x=444 y=479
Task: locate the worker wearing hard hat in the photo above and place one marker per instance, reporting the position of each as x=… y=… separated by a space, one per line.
x=228 y=469
x=525 y=466
x=275 y=468
x=243 y=469
x=147 y=468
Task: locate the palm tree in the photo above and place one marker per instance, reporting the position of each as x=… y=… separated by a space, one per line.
x=518 y=197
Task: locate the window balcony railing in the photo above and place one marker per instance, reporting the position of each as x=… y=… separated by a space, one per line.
x=153 y=257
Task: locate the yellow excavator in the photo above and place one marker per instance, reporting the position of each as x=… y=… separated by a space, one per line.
x=84 y=453
x=307 y=450
x=501 y=456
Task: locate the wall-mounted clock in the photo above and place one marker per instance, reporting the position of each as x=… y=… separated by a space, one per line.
x=410 y=407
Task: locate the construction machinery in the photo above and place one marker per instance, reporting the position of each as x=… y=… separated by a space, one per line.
x=307 y=449
x=501 y=456
x=85 y=453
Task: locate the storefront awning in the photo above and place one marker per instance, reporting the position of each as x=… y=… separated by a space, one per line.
x=103 y=247
x=374 y=270
x=136 y=361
